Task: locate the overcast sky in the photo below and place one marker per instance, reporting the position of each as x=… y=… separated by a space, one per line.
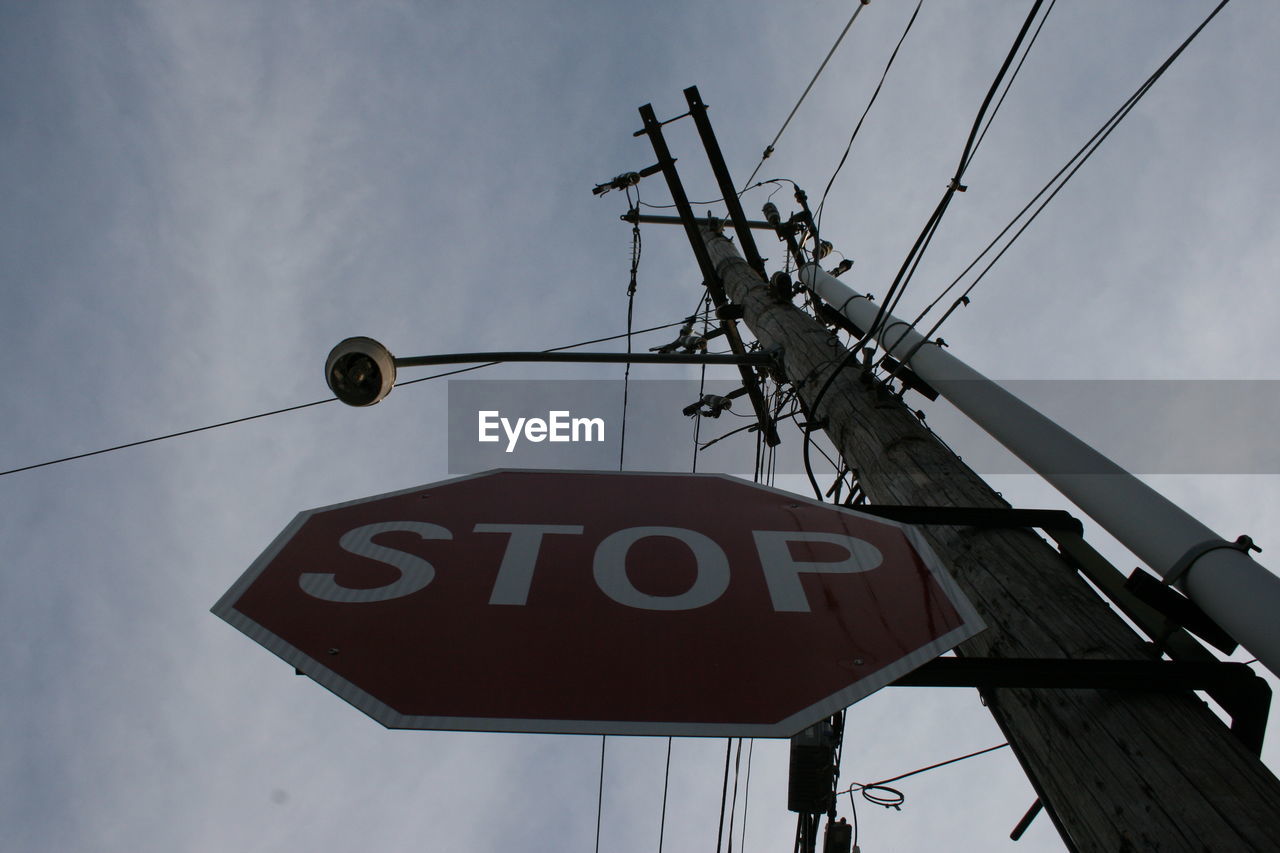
x=202 y=198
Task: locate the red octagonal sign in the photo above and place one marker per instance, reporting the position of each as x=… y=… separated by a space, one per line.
x=616 y=603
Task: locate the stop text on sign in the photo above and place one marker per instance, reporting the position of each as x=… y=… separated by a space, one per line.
x=781 y=568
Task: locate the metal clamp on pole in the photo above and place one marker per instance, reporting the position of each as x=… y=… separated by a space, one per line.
x=1164 y=596
x=1195 y=552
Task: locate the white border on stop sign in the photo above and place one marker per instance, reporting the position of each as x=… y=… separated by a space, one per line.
x=971 y=624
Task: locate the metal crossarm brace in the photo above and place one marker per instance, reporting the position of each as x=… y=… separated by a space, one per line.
x=652 y=219
x=1238 y=689
x=976 y=516
x=1248 y=705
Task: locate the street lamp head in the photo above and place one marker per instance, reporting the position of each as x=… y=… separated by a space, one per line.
x=360 y=371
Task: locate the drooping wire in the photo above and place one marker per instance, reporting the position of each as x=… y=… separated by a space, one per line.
x=853 y=811
x=692 y=203
x=811 y=422
x=741 y=193
x=730 y=433
x=780 y=400
x=858 y=126
x=1065 y=173
x=703 y=308
x=768 y=151
x=881 y=794
x=758 y=470
x=631 y=307
x=287 y=409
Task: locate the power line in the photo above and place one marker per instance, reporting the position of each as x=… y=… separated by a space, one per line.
x=261 y=415
x=724 y=793
x=1012 y=77
x=168 y=436
x=870 y=103
x=741 y=193
x=912 y=262
x=768 y=151
x=666 y=782
x=907 y=270
x=1068 y=170
x=600 y=792
x=636 y=246
x=733 y=806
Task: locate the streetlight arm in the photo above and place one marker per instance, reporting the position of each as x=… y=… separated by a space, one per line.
x=360 y=371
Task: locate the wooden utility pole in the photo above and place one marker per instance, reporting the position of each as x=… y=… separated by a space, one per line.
x=1118 y=770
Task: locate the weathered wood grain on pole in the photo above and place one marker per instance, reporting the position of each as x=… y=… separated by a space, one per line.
x=1118 y=770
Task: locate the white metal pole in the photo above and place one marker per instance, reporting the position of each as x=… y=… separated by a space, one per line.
x=1236 y=592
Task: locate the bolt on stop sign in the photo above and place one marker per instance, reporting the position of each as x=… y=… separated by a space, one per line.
x=607 y=603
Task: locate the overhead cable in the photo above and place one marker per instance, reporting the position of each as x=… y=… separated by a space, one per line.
x=666 y=780
x=862 y=118
x=600 y=792
x=921 y=244
x=724 y=794
x=636 y=246
x=918 y=249
x=1009 y=85
x=1053 y=186
x=260 y=415
x=768 y=151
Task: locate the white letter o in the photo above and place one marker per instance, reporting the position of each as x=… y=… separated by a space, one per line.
x=610 y=569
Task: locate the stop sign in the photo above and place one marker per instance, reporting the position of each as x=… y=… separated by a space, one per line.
x=587 y=602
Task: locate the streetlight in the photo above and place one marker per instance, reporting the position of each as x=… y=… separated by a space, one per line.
x=360 y=371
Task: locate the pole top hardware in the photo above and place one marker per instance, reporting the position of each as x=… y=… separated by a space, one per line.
x=688 y=341
x=642 y=131
x=715 y=287
x=627 y=179
x=1180 y=610
x=713 y=405
x=781 y=287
